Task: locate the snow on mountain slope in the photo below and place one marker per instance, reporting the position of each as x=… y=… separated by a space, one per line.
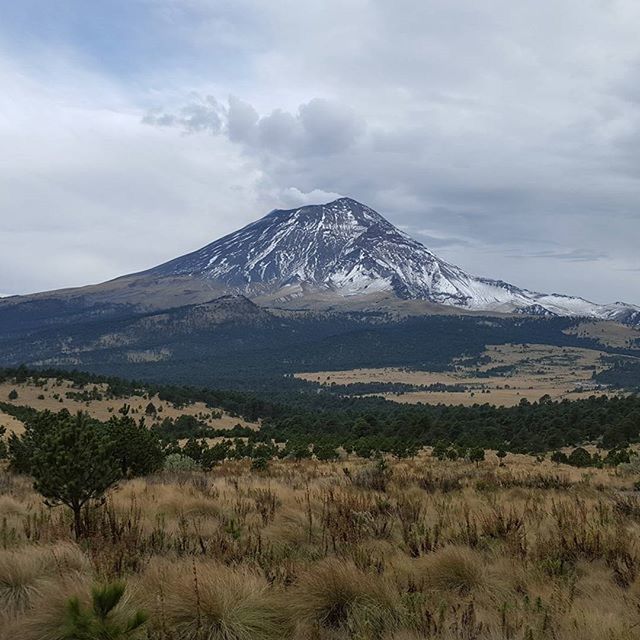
x=348 y=249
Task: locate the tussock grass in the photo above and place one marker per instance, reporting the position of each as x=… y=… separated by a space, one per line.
x=405 y=550
x=456 y=570
x=334 y=595
x=26 y=573
x=212 y=602
x=20 y=581
x=47 y=618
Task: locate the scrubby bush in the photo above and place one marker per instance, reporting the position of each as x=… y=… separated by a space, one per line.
x=579 y=457
x=373 y=477
x=559 y=457
x=260 y=463
x=632 y=467
x=180 y=462
x=136 y=448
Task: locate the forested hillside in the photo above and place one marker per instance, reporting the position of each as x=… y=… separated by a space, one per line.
x=310 y=417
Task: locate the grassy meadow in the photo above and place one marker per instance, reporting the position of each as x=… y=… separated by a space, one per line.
x=394 y=550
x=502 y=375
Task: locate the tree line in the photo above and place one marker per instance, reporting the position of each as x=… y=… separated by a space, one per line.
x=373 y=423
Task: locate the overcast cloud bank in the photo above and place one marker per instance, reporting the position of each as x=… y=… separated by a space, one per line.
x=504 y=136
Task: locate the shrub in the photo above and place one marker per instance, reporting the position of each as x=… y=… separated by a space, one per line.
x=325 y=452
x=632 y=467
x=374 y=477
x=72 y=463
x=445 y=482
x=260 y=463
x=476 y=455
x=579 y=457
x=136 y=448
x=180 y=462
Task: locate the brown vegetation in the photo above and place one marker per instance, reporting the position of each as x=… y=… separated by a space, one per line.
x=55 y=395
x=330 y=551
x=529 y=371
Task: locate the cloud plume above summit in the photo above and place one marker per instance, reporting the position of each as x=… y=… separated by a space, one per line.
x=318 y=127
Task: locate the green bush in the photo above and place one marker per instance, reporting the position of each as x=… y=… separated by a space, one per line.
x=180 y=462
x=579 y=457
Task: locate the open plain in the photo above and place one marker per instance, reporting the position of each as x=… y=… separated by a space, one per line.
x=503 y=375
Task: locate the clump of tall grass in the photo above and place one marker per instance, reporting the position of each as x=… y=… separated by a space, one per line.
x=443 y=481
x=20 y=581
x=25 y=573
x=456 y=570
x=373 y=477
x=64 y=558
x=211 y=602
x=72 y=608
x=335 y=596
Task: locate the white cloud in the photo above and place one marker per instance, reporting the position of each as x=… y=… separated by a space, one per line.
x=320 y=127
x=507 y=131
x=89 y=193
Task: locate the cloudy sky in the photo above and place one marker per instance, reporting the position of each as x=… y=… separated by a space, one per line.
x=504 y=135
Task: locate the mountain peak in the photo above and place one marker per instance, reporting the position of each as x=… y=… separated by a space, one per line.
x=342 y=246
x=345 y=248
x=339 y=210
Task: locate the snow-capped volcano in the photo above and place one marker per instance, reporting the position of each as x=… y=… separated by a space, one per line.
x=347 y=249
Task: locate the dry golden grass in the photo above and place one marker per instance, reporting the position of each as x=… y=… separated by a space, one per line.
x=336 y=595
x=200 y=600
x=11 y=424
x=538 y=370
x=447 y=550
x=608 y=333
x=27 y=574
x=52 y=396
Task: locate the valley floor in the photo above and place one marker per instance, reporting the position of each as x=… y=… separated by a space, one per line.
x=503 y=375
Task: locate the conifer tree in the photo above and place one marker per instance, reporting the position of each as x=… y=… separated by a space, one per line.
x=136 y=448
x=73 y=464
x=98 y=622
